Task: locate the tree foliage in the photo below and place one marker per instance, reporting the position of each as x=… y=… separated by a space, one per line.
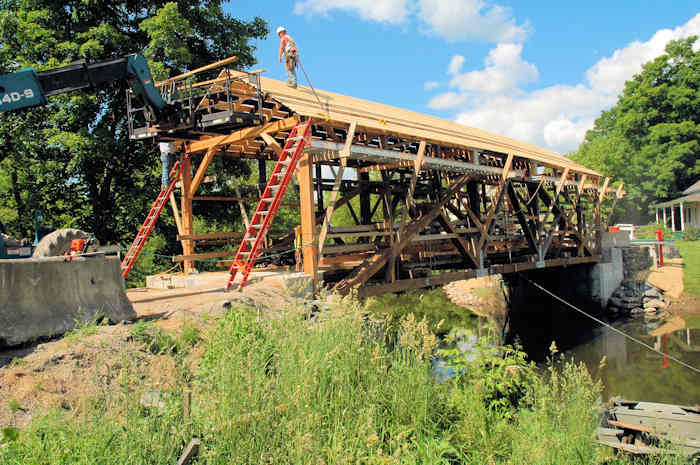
x=73 y=158
x=650 y=139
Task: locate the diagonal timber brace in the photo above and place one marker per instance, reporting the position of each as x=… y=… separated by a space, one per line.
x=372 y=265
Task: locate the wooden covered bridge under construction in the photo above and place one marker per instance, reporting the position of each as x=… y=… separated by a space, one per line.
x=433 y=201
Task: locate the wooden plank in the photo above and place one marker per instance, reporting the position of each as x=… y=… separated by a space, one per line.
x=218 y=235
x=190 y=452
x=383 y=119
x=204 y=256
x=238 y=199
x=242 y=134
x=339 y=249
x=201 y=69
x=390 y=166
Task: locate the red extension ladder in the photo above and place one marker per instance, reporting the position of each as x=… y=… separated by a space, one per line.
x=150 y=221
x=270 y=201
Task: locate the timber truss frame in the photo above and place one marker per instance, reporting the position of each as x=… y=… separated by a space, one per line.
x=424 y=212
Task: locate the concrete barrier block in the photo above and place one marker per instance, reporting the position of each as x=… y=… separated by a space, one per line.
x=46 y=297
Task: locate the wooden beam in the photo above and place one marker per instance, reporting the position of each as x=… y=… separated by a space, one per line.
x=372 y=265
x=176 y=213
x=562 y=181
x=219 y=235
x=390 y=166
x=204 y=256
x=244 y=214
x=582 y=183
x=186 y=208
x=418 y=163
x=216 y=64
x=272 y=143
x=242 y=134
x=458 y=241
x=201 y=171
x=604 y=190
x=345 y=153
x=308 y=220
x=507 y=166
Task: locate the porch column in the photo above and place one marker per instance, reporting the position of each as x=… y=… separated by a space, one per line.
x=673 y=218
x=665 y=223
x=682 y=217
x=657 y=214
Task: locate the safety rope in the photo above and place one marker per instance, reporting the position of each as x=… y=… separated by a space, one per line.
x=310 y=85
x=631 y=338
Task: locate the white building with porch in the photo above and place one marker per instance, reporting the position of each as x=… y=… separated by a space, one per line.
x=682 y=212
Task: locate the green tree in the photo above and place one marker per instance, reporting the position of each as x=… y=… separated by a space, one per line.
x=73 y=158
x=650 y=139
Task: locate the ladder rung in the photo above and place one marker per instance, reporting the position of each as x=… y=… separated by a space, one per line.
x=256 y=226
x=295 y=138
x=251 y=239
x=264 y=212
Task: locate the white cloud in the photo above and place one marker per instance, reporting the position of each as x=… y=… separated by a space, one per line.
x=556 y=117
x=448 y=100
x=453 y=20
x=503 y=71
x=471 y=19
x=610 y=73
x=456 y=64
x=390 y=11
x=431 y=85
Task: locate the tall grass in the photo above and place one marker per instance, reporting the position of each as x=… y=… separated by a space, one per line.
x=327 y=390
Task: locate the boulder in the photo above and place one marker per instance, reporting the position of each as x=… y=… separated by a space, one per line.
x=653 y=293
x=655 y=303
x=637 y=311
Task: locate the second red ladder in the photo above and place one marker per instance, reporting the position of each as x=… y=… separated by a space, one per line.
x=249 y=250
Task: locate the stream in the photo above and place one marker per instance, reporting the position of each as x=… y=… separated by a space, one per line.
x=634 y=372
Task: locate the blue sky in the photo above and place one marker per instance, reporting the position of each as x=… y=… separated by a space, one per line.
x=540 y=72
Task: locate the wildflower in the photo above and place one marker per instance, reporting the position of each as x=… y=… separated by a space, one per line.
x=553 y=348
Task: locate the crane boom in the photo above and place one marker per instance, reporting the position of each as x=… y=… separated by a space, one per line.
x=29 y=88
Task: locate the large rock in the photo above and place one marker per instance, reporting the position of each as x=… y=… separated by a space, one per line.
x=653 y=293
x=655 y=303
x=46 y=297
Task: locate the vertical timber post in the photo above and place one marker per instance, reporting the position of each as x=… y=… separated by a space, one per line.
x=186 y=207
x=308 y=217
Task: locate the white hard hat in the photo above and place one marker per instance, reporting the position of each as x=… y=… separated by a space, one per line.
x=281 y=29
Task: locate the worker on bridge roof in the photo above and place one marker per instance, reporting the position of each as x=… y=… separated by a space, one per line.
x=291 y=55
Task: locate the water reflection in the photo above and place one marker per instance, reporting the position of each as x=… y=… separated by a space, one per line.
x=634 y=372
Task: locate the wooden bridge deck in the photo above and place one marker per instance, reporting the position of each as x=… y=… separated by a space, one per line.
x=431 y=200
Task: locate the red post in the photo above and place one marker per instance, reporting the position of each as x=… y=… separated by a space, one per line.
x=660 y=238
x=665 y=363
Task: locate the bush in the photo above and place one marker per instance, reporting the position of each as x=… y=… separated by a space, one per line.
x=690 y=233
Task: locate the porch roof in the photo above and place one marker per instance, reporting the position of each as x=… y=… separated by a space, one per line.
x=692 y=198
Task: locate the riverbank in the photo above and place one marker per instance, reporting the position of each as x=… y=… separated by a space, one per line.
x=299 y=388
